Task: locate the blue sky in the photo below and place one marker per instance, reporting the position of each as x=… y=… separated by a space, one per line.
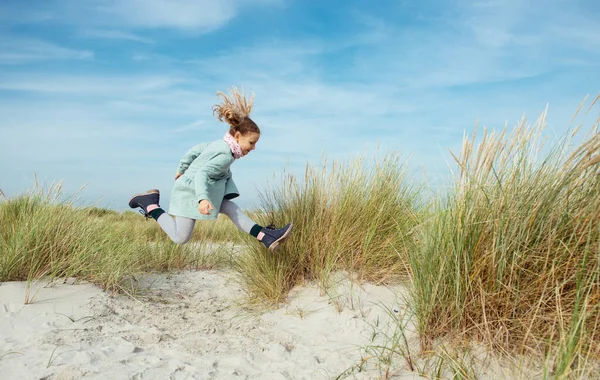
x=111 y=93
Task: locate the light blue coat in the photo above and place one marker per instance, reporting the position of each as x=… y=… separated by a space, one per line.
x=205 y=175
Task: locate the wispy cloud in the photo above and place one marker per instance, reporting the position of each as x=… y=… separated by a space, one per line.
x=92 y=85
x=115 y=35
x=18 y=50
x=184 y=14
x=476 y=42
x=187 y=15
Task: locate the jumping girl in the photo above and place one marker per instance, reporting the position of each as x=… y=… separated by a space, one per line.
x=204 y=183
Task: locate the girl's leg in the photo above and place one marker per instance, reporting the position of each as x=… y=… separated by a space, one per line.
x=237 y=216
x=269 y=236
x=178 y=228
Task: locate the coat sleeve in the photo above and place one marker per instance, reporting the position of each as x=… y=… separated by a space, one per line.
x=209 y=173
x=190 y=156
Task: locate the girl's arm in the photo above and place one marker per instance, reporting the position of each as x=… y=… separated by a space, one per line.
x=188 y=158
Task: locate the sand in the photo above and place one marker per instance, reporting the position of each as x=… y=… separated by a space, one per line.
x=193 y=325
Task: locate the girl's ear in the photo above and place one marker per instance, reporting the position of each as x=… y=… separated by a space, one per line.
x=237 y=136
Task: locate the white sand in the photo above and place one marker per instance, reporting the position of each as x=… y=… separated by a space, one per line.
x=191 y=325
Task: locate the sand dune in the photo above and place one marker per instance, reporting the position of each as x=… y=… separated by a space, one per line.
x=191 y=325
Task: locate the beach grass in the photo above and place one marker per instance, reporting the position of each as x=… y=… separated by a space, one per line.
x=511 y=255
x=356 y=217
x=48 y=234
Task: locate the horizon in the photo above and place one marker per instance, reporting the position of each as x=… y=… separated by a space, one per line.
x=112 y=93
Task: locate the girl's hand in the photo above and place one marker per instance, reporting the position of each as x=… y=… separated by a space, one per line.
x=177 y=175
x=205 y=207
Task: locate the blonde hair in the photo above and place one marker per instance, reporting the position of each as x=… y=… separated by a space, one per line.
x=235 y=110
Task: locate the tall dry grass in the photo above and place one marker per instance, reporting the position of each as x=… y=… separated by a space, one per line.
x=355 y=217
x=47 y=234
x=511 y=255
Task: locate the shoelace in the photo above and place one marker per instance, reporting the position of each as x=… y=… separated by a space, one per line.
x=146 y=215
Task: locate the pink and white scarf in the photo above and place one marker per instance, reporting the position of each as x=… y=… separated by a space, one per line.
x=233 y=145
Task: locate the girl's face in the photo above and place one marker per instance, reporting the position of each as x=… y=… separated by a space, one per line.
x=247 y=142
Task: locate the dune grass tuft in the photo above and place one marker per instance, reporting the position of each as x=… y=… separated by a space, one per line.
x=511 y=255
x=355 y=217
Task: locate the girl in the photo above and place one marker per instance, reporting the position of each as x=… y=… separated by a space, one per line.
x=204 y=183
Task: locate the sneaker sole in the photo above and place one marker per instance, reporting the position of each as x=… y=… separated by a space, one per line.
x=281 y=239
x=153 y=191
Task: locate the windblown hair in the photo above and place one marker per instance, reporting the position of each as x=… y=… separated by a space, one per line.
x=235 y=110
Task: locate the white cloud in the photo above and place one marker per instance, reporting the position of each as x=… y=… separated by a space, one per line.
x=92 y=85
x=18 y=50
x=183 y=14
x=478 y=42
x=536 y=25
x=188 y=15
x=115 y=35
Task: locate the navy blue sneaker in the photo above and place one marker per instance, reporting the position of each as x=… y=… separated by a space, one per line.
x=272 y=237
x=151 y=197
